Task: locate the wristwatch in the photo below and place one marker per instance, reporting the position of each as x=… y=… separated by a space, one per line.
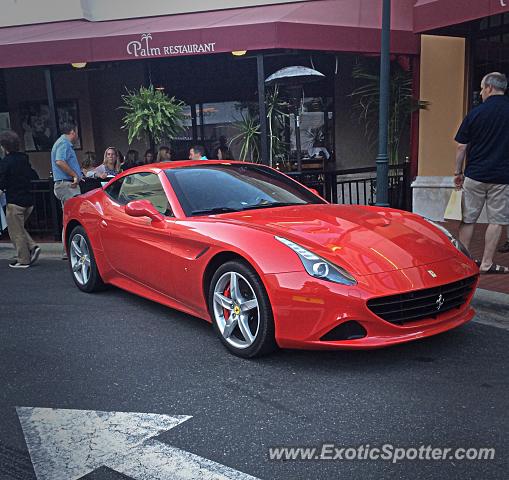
x=458 y=173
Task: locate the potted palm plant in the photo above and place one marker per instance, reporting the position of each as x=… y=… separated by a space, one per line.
x=151 y=114
x=366 y=105
x=249 y=130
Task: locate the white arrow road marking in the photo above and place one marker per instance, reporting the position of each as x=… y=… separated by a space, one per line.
x=68 y=444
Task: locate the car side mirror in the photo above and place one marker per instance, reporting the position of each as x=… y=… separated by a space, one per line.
x=143 y=208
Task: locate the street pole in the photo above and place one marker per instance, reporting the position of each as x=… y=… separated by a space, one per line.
x=264 y=139
x=382 y=160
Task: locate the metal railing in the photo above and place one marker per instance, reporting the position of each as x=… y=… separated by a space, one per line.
x=46 y=218
x=357 y=186
x=351 y=186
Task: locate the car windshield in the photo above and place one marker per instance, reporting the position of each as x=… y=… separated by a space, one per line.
x=221 y=188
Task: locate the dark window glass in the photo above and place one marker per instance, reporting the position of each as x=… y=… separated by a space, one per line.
x=213 y=189
x=495 y=20
x=140 y=186
x=114 y=189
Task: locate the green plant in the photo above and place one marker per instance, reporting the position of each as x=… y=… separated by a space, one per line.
x=249 y=128
x=153 y=113
x=249 y=137
x=402 y=103
x=276 y=116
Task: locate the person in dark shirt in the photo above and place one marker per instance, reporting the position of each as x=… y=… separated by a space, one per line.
x=131 y=159
x=15 y=177
x=483 y=147
x=148 y=157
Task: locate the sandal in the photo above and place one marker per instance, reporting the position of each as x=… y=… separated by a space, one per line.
x=495 y=269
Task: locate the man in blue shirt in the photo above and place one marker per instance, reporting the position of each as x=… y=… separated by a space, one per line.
x=65 y=167
x=483 y=141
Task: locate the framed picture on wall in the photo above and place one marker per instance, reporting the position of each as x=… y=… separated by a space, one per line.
x=5 y=121
x=68 y=112
x=36 y=126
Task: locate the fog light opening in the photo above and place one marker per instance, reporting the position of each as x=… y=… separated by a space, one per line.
x=350 y=330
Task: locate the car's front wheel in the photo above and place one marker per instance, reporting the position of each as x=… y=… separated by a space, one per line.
x=82 y=261
x=241 y=310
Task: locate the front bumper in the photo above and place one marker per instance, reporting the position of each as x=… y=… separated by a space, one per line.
x=306 y=309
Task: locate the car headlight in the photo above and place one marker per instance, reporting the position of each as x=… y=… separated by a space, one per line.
x=318 y=267
x=452 y=238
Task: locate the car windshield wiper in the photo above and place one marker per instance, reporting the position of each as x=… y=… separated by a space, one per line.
x=212 y=211
x=271 y=204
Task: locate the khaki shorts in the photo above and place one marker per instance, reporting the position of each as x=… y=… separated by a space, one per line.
x=63 y=191
x=494 y=195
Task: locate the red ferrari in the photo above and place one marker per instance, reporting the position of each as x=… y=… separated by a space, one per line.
x=267 y=261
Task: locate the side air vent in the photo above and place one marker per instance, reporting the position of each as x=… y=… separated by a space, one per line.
x=350 y=330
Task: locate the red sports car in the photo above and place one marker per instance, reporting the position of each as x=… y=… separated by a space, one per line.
x=266 y=260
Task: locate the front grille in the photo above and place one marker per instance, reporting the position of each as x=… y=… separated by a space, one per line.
x=429 y=303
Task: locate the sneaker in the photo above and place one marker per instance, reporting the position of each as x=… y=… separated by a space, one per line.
x=34 y=254
x=505 y=247
x=64 y=256
x=16 y=264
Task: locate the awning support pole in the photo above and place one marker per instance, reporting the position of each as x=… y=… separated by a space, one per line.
x=50 y=92
x=382 y=160
x=147 y=80
x=194 y=123
x=264 y=140
x=54 y=204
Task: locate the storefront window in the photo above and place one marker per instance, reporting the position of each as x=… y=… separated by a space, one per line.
x=187 y=133
x=219 y=125
x=315 y=132
x=491 y=50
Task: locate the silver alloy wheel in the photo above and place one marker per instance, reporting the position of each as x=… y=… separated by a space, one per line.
x=80 y=259
x=236 y=310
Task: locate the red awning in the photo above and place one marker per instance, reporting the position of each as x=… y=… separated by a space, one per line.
x=432 y=14
x=333 y=25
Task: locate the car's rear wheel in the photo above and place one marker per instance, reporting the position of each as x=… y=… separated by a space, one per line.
x=82 y=261
x=241 y=310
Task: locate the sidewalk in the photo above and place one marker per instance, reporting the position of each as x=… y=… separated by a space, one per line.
x=491 y=299
x=48 y=250
x=492 y=282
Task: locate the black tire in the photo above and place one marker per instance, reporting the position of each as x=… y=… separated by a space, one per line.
x=259 y=320
x=91 y=282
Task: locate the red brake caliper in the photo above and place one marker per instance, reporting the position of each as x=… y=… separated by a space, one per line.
x=226 y=312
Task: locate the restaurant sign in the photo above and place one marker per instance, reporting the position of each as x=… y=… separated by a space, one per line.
x=144 y=48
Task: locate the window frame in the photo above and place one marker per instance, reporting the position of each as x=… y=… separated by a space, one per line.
x=167 y=213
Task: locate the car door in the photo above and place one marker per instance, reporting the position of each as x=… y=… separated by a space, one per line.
x=136 y=247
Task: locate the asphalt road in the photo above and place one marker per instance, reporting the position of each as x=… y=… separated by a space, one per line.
x=113 y=351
